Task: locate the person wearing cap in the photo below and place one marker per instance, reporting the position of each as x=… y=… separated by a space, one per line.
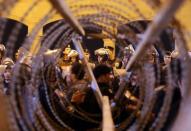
x=6 y=74
x=104 y=77
x=127 y=53
x=66 y=52
x=75 y=85
x=102 y=56
x=7 y=79
x=73 y=56
x=64 y=60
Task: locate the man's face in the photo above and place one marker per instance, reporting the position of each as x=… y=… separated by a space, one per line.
x=107 y=78
x=67 y=50
x=7 y=74
x=167 y=59
x=65 y=57
x=99 y=58
x=73 y=59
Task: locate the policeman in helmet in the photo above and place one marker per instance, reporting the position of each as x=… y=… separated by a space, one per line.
x=73 y=56
x=102 y=55
x=64 y=60
x=127 y=53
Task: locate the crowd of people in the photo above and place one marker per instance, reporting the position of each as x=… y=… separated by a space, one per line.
x=69 y=82
x=7 y=66
x=122 y=87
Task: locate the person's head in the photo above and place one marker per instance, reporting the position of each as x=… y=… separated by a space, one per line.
x=103 y=73
x=21 y=52
x=73 y=56
x=102 y=55
x=167 y=57
x=77 y=72
x=7 y=74
x=127 y=53
x=66 y=51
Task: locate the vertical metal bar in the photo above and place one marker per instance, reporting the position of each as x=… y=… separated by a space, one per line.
x=108 y=124
x=94 y=84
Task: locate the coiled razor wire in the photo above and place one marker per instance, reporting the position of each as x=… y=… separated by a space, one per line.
x=27 y=113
